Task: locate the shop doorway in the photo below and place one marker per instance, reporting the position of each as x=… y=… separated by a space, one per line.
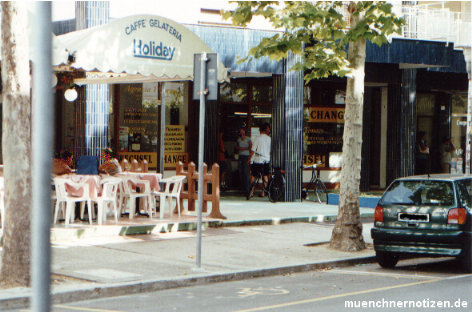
x=375 y=137
x=242 y=103
x=425 y=122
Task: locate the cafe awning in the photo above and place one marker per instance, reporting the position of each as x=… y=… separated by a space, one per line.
x=139 y=48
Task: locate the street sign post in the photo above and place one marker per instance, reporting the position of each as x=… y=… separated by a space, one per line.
x=205 y=87
x=210 y=79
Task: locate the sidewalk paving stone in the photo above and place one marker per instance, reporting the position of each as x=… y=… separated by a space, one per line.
x=258 y=238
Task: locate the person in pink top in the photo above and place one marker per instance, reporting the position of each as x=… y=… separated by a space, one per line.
x=222 y=161
x=62 y=163
x=110 y=165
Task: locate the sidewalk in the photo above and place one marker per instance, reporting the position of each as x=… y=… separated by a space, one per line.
x=100 y=261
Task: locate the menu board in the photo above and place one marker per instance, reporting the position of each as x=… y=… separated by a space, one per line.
x=174 y=145
x=323 y=134
x=139 y=118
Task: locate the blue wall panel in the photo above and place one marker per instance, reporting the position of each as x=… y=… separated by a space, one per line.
x=233 y=44
x=287 y=127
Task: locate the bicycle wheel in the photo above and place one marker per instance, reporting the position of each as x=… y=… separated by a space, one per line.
x=321 y=192
x=308 y=192
x=275 y=191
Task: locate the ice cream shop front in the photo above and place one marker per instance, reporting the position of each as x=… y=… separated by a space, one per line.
x=132 y=79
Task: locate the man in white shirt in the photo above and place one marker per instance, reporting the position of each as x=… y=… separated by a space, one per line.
x=260 y=156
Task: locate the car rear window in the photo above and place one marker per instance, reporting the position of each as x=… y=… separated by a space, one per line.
x=419 y=193
x=464 y=188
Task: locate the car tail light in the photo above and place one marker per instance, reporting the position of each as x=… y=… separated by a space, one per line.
x=457 y=216
x=378 y=214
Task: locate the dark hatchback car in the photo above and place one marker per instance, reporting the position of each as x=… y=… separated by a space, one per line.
x=424 y=216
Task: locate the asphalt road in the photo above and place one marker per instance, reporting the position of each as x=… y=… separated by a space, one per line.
x=414 y=285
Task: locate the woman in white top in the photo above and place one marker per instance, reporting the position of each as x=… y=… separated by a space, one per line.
x=244 y=146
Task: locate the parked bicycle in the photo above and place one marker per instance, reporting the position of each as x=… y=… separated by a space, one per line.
x=274 y=188
x=316 y=187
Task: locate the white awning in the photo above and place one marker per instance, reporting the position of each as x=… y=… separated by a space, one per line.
x=133 y=49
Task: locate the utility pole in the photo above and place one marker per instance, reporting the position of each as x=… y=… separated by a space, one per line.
x=42 y=138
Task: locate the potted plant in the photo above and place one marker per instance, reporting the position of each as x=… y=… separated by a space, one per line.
x=174 y=103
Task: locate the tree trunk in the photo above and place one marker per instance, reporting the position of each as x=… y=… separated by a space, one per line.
x=16 y=132
x=347 y=232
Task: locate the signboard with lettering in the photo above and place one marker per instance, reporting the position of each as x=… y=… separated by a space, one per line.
x=323 y=134
x=171 y=159
x=325 y=115
x=147 y=45
x=150 y=94
x=314 y=159
x=167 y=44
x=138 y=118
x=151 y=158
x=174 y=139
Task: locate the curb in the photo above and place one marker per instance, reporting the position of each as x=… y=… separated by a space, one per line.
x=147 y=229
x=58 y=297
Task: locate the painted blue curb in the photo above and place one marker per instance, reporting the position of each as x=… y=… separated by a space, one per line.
x=364 y=202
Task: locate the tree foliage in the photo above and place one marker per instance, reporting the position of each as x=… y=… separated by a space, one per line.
x=317 y=30
x=323 y=32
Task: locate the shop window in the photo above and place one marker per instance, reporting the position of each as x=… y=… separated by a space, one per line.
x=262 y=94
x=138 y=121
x=340 y=97
x=65 y=124
x=307 y=95
x=425 y=105
x=174 y=102
x=458 y=131
x=245 y=103
x=261 y=114
x=233 y=92
x=323 y=125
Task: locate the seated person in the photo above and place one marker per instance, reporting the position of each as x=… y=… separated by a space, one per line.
x=110 y=165
x=62 y=163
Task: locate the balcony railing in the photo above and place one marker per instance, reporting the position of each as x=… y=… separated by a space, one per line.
x=436 y=24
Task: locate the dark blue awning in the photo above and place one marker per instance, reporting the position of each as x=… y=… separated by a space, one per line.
x=232 y=44
x=434 y=55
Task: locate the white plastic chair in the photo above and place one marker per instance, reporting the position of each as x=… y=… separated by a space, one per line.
x=109 y=196
x=64 y=198
x=172 y=189
x=129 y=193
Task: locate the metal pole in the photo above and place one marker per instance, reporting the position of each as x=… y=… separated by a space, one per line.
x=468 y=60
x=162 y=130
x=201 y=142
x=42 y=138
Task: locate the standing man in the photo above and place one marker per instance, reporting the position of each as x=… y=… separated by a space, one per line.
x=260 y=155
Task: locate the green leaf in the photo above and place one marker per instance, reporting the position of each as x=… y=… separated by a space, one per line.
x=320 y=27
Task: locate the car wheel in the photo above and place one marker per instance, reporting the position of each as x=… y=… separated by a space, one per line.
x=386 y=260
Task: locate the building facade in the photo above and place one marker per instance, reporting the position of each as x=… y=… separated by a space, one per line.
x=411 y=85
